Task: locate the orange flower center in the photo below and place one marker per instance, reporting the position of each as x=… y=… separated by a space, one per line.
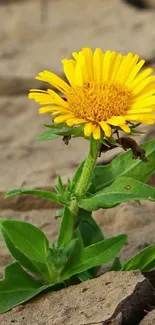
x=99 y=101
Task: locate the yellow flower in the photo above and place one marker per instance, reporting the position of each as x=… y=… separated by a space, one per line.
x=104 y=89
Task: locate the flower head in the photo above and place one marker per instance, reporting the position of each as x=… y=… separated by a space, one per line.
x=104 y=90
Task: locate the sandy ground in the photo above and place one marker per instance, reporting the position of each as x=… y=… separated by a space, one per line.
x=91 y=302
x=33 y=39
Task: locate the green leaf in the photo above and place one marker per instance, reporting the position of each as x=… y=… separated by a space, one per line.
x=28 y=239
x=56 y=262
x=66 y=228
x=124 y=165
x=59 y=213
x=43 y=194
x=74 y=131
x=60 y=258
x=74 y=257
x=69 y=185
x=54 y=126
x=95 y=255
x=17 y=255
x=90 y=231
x=123 y=189
x=59 y=186
x=116 y=266
x=18 y=287
x=32 y=266
x=85 y=276
x=144 y=261
x=47 y=135
x=136 y=132
x=76 y=176
x=64 y=130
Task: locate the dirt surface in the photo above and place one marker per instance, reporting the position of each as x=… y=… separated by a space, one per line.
x=33 y=38
x=87 y=303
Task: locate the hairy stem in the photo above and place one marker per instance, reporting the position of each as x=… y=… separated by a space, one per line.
x=84 y=180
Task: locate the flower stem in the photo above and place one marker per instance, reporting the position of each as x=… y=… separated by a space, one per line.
x=89 y=164
x=84 y=180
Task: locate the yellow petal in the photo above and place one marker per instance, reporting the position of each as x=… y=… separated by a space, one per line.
x=124 y=68
x=57 y=99
x=106 y=128
x=115 y=66
x=41 y=98
x=111 y=67
x=132 y=65
x=140 y=117
x=38 y=90
x=69 y=70
x=125 y=128
x=75 y=55
x=54 y=80
x=78 y=74
x=55 y=113
x=143 y=75
x=141 y=110
x=134 y=72
x=116 y=120
x=97 y=64
x=84 y=67
x=148 y=121
x=62 y=118
x=143 y=84
x=48 y=97
x=88 y=128
x=106 y=65
x=146 y=92
x=48 y=109
x=144 y=102
x=97 y=132
x=88 y=55
x=75 y=121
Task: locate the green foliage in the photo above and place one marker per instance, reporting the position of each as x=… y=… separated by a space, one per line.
x=95 y=255
x=30 y=240
x=77 y=176
x=29 y=246
x=121 y=190
x=59 y=186
x=90 y=231
x=20 y=257
x=43 y=194
x=60 y=130
x=66 y=228
x=144 y=261
x=47 y=136
x=18 y=287
x=116 y=266
x=36 y=267
x=70 y=131
x=124 y=165
x=80 y=247
x=64 y=192
x=62 y=196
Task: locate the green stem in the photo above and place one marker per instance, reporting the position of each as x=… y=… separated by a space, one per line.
x=84 y=180
x=88 y=168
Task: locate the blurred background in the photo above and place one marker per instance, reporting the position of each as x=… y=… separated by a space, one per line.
x=35 y=35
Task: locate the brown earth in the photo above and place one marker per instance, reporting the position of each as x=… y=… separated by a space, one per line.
x=35 y=37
